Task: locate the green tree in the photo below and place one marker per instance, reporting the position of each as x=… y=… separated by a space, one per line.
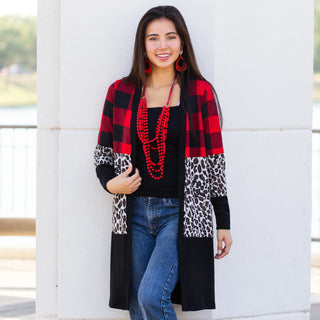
x=18 y=41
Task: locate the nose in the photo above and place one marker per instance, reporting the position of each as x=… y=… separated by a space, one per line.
x=163 y=43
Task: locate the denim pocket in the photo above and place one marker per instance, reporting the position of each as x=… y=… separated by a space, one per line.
x=173 y=202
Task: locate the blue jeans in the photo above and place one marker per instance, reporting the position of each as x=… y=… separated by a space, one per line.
x=154 y=267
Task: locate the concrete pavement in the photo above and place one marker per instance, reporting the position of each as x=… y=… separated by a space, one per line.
x=17 y=290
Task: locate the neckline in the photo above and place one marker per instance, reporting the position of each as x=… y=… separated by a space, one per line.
x=170 y=93
x=162 y=107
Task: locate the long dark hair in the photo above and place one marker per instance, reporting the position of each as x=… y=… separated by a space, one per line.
x=137 y=74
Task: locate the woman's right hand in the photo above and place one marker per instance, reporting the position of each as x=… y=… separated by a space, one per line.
x=123 y=183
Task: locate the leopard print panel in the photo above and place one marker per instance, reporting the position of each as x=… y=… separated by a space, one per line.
x=103 y=155
x=197 y=220
x=119 y=204
x=204 y=178
x=120 y=162
x=217 y=164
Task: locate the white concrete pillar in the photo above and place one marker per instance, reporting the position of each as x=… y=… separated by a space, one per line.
x=258 y=55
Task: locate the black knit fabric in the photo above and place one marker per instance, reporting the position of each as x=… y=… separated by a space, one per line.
x=105 y=172
x=222 y=212
x=167 y=186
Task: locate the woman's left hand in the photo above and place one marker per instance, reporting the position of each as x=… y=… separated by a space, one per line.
x=223 y=235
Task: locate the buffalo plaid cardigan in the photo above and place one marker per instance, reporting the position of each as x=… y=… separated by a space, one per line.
x=202 y=191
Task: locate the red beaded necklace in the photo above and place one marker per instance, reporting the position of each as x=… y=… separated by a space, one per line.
x=160 y=137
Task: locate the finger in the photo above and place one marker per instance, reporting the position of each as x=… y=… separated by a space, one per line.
x=137 y=185
x=220 y=255
x=136 y=175
x=127 y=172
x=227 y=248
x=225 y=251
x=137 y=180
x=219 y=246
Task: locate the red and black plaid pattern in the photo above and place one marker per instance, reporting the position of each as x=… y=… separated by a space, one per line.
x=205 y=121
x=115 y=123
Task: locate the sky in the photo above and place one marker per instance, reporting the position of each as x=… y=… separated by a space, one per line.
x=19 y=7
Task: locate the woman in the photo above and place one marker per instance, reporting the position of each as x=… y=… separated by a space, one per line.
x=160 y=154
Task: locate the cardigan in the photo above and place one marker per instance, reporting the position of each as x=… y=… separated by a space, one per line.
x=202 y=191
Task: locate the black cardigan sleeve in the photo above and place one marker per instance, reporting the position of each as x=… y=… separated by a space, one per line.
x=222 y=212
x=105 y=172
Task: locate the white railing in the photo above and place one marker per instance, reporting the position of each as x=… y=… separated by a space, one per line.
x=18 y=174
x=17 y=171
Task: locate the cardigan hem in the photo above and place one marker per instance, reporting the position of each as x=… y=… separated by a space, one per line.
x=199 y=308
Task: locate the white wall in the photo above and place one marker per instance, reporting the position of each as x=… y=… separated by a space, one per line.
x=258 y=55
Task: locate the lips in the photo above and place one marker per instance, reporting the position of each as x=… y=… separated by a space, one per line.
x=163 y=56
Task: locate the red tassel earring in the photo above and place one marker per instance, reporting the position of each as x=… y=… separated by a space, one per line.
x=147 y=65
x=181 y=64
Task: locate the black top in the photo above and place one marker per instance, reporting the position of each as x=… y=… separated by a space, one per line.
x=167 y=186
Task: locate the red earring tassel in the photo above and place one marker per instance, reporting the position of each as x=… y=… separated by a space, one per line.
x=181 y=64
x=147 y=66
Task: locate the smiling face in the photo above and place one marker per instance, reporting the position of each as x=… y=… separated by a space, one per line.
x=162 y=43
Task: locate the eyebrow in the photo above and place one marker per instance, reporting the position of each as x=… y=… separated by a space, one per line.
x=155 y=34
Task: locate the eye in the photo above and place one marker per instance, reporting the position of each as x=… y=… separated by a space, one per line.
x=152 y=38
x=172 y=37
